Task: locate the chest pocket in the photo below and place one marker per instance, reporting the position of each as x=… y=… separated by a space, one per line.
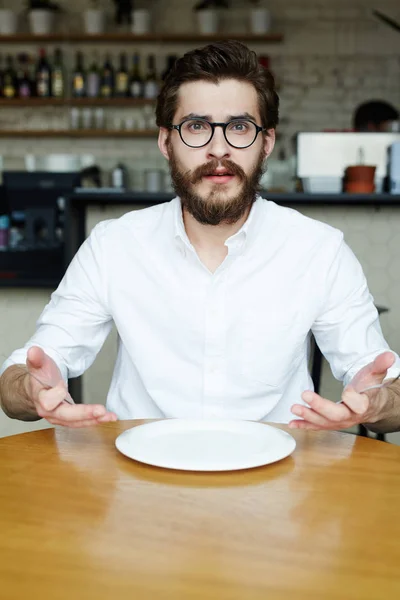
x=271 y=349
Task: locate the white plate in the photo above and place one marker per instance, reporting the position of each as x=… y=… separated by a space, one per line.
x=205 y=445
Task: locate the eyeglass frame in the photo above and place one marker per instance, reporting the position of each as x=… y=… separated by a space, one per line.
x=259 y=129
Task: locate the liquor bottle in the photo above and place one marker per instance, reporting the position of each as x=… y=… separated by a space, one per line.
x=107 y=79
x=24 y=82
x=151 y=86
x=58 y=75
x=1 y=76
x=122 y=78
x=43 y=76
x=93 y=79
x=9 y=79
x=171 y=60
x=79 y=77
x=136 y=80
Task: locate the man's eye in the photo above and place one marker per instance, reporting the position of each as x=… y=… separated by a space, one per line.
x=239 y=126
x=196 y=126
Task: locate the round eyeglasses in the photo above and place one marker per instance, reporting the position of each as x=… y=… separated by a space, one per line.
x=239 y=133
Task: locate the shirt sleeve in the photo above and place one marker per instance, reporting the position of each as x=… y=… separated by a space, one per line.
x=75 y=323
x=347 y=328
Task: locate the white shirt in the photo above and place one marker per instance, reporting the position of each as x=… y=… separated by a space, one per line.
x=230 y=344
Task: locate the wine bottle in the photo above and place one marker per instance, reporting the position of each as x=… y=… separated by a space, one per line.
x=151 y=86
x=136 y=80
x=9 y=79
x=93 y=79
x=43 y=76
x=122 y=78
x=58 y=75
x=24 y=84
x=1 y=76
x=79 y=78
x=107 y=80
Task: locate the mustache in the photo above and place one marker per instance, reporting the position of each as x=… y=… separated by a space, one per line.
x=210 y=167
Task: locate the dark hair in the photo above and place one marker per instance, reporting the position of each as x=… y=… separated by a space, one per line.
x=376 y=112
x=213 y=63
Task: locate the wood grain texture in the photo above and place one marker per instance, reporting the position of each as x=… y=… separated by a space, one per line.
x=79 y=520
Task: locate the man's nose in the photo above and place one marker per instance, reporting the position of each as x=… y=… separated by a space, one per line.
x=218 y=146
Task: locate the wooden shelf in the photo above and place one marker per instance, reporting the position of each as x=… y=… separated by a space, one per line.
x=178 y=38
x=78 y=133
x=111 y=102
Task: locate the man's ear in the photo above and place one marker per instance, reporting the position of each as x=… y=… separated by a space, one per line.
x=162 y=142
x=269 y=141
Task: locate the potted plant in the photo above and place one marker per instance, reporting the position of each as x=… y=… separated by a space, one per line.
x=8 y=20
x=41 y=15
x=207 y=12
x=260 y=17
x=94 y=18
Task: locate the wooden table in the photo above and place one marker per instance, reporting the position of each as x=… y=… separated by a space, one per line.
x=78 y=521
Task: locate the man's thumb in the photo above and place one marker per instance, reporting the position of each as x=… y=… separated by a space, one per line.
x=35 y=357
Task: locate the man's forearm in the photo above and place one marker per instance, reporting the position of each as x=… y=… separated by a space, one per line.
x=14 y=398
x=390 y=421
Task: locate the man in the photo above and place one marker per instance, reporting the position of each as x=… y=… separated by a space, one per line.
x=375 y=115
x=213 y=294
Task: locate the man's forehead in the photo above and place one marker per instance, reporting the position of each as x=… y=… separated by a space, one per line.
x=220 y=100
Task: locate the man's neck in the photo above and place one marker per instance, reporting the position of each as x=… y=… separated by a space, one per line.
x=209 y=240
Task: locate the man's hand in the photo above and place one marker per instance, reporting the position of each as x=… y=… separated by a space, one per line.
x=356 y=407
x=49 y=400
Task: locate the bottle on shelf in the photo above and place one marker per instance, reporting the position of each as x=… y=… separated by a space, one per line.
x=58 y=75
x=24 y=81
x=122 y=78
x=107 y=79
x=136 y=83
x=9 y=79
x=151 y=85
x=93 y=78
x=43 y=76
x=1 y=76
x=79 y=77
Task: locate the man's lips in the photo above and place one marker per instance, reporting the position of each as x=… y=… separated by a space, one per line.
x=219 y=176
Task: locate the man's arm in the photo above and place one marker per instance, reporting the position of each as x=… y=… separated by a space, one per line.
x=14 y=397
x=389 y=420
x=26 y=398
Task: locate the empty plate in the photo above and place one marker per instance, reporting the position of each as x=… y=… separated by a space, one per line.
x=205 y=445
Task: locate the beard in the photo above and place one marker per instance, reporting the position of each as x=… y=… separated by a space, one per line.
x=216 y=208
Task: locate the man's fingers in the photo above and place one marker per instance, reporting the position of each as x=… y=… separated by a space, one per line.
x=357 y=403
x=382 y=363
x=327 y=409
x=49 y=400
x=35 y=357
x=79 y=412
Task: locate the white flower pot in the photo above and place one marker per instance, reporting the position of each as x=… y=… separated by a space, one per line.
x=207 y=21
x=260 y=20
x=41 y=21
x=94 y=20
x=8 y=21
x=140 y=21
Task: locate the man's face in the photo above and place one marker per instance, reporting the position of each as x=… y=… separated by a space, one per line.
x=217 y=182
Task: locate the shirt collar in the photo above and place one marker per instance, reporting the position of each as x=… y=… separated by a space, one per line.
x=237 y=243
